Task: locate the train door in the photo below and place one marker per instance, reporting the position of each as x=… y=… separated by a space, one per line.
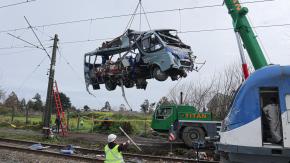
x=286 y=121
x=271 y=116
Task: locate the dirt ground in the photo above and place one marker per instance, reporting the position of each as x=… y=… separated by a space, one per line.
x=8 y=156
x=150 y=145
x=90 y=140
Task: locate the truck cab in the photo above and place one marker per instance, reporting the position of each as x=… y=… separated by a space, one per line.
x=188 y=124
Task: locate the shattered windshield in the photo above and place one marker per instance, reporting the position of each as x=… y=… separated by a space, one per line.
x=171 y=38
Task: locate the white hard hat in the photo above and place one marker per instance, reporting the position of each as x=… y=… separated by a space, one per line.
x=111 y=138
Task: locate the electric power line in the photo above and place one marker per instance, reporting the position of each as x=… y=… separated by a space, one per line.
x=18 y=52
x=74 y=71
x=69 y=64
x=43 y=48
x=15 y=4
x=180 y=32
x=30 y=74
x=126 y=15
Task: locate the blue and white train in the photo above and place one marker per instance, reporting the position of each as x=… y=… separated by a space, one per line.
x=244 y=136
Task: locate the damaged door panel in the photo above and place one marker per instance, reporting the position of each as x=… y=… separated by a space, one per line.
x=134 y=57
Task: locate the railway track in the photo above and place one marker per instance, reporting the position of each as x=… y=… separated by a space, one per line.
x=85 y=154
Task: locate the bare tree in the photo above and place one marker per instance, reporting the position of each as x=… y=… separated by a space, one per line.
x=215 y=94
x=195 y=93
x=13 y=103
x=227 y=84
x=145 y=106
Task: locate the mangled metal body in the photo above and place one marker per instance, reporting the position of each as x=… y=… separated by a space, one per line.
x=133 y=57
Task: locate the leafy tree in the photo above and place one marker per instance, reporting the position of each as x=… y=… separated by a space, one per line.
x=151 y=108
x=73 y=108
x=164 y=101
x=65 y=101
x=107 y=107
x=86 y=108
x=122 y=108
x=37 y=104
x=145 y=106
x=22 y=104
x=30 y=104
x=12 y=102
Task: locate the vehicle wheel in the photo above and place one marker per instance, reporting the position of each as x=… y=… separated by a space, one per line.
x=175 y=77
x=110 y=85
x=129 y=83
x=192 y=134
x=183 y=74
x=141 y=83
x=96 y=86
x=158 y=74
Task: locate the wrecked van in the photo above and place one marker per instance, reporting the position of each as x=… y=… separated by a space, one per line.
x=134 y=57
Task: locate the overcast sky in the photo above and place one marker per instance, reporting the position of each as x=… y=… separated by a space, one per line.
x=18 y=70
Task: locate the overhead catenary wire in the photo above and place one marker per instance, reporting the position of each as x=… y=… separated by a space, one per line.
x=260 y=41
x=30 y=74
x=75 y=72
x=69 y=64
x=16 y=4
x=126 y=15
x=17 y=37
x=37 y=38
x=180 y=32
x=17 y=52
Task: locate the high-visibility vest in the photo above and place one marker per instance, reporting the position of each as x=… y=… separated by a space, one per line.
x=113 y=155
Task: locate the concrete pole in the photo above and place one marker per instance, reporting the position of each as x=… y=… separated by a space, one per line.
x=49 y=97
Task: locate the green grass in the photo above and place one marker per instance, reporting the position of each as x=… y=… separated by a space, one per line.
x=90 y=121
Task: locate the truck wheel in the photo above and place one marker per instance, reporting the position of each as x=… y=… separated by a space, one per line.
x=129 y=84
x=192 y=134
x=110 y=85
x=158 y=74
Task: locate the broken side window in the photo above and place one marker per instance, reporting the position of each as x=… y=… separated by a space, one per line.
x=151 y=44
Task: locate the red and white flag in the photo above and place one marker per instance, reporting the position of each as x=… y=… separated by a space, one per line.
x=171 y=136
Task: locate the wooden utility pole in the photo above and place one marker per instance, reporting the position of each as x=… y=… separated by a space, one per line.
x=49 y=96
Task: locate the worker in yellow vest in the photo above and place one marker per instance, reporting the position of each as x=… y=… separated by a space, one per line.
x=113 y=151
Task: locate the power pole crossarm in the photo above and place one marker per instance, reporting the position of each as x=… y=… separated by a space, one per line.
x=49 y=97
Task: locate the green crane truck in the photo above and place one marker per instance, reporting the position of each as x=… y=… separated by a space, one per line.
x=188 y=124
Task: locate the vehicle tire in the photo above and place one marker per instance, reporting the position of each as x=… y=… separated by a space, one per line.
x=96 y=86
x=192 y=134
x=110 y=85
x=175 y=77
x=183 y=74
x=158 y=74
x=141 y=83
x=129 y=83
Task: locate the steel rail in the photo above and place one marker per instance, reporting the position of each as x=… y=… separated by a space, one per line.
x=50 y=153
x=93 y=151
